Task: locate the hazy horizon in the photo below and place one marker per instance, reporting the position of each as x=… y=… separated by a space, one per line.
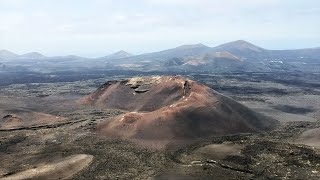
x=101 y=27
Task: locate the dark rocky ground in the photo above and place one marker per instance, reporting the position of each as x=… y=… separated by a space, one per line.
x=294 y=99
x=263 y=156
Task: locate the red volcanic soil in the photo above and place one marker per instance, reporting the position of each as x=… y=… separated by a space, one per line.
x=172 y=108
x=128 y=95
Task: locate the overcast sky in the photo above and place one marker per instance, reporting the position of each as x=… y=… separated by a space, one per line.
x=98 y=27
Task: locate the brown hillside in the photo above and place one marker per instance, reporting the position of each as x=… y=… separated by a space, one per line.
x=24 y=118
x=167 y=108
x=310 y=137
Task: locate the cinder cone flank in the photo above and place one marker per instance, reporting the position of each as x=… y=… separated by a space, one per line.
x=172 y=108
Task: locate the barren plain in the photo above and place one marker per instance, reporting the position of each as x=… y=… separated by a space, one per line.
x=46 y=134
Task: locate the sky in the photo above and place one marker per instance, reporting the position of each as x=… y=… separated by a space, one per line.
x=94 y=28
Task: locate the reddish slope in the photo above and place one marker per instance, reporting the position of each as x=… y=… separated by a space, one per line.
x=126 y=96
x=166 y=108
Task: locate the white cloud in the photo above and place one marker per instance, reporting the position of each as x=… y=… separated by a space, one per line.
x=224 y=5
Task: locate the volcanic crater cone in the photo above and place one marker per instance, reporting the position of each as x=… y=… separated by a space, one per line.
x=167 y=108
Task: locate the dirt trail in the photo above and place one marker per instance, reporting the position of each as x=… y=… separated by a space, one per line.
x=62 y=169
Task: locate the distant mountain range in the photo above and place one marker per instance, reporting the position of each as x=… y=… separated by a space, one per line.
x=7 y=55
x=118 y=55
x=4 y=54
x=230 y=57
